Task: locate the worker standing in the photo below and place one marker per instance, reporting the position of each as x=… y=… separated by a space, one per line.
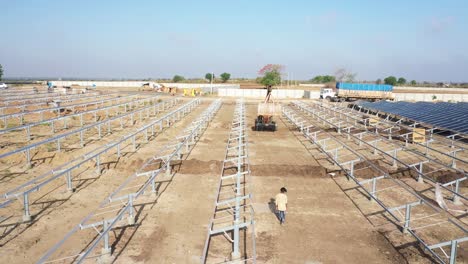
x=269 y=89
x=281 y=201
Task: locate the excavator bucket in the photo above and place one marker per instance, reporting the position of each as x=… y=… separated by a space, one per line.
x=269 y=109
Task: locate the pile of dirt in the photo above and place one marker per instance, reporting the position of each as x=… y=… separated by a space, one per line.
x=365 y=171
x=193 y=166
x=287 y=170
x=442 y=176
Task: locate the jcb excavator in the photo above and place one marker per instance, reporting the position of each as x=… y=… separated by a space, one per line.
x=266 y=111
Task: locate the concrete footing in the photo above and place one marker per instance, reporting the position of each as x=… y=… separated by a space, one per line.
x=457 y=201
x=131 y=220
x=27 y=218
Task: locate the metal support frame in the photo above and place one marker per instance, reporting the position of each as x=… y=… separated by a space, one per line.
x=80 y=131
x=68 y=118
x=48 y=98
x=420 y=200
x=124 y=197
x=66 y=169
x=232 y=208
x=392 y=154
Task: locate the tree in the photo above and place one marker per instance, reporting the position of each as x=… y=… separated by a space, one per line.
x=209 y=76
x=413 y=83
x=350 y=77
x=401 y=81
x=328 y=78
x=317 y=79
x=323 y=79
x=225 y=76
x=271 y=74
x=177 y=78
x=342 y=75
x=390 y=80
x=379 y=81
x=1 y=72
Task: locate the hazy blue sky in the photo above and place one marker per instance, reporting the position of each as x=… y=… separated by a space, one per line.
x=422 y=40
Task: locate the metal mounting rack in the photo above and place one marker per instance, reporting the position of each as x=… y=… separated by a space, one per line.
x=24 y=191
x=66 y=119
x=121 y=202
x=399 y=154
x=416 y=208
x=21 y=116
x=99 y=126
x=232 y=209
x=48 y=98
x=23 y=107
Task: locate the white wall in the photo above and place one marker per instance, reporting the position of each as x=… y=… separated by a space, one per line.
x=427 y=97
x=261 y=93
x=201 y=85
x=429 y=89
x=99 y=83
x=312 y=85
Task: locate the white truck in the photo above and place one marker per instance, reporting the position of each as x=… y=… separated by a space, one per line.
x=3 y=86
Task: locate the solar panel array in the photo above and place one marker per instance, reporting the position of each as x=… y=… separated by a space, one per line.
x=449 y=116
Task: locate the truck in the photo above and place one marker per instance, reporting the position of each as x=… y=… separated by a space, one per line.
x=357 y=91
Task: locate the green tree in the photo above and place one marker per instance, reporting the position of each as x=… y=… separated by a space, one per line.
x=225 y=76
x=323 y=79
x=271 y=78
x=271 y=74
x=413 y=82
x=391 y=80
x=401 y=81
x=1 y=72
x=209 y=76
x=317 y=79
x=328 y=78
x=379 y=81
x=177 y=78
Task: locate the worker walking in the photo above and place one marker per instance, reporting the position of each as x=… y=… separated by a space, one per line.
x=281 y=201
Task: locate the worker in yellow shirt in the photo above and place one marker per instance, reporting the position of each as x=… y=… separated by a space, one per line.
x=281 y=201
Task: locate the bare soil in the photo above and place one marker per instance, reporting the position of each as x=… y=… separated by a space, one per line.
x=328 y=219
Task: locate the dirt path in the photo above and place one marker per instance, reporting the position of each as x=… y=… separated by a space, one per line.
x=174 y=230
x=322 y=226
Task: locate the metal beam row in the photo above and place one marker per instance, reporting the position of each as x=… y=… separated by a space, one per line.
x=24 y=107
x=56 y=110
x=339 y=151
x=105 y=125
x=232 y=209
x=68 y=119
x=399 y=153
x=122 y=200
x=48 y=98
x=66 y=171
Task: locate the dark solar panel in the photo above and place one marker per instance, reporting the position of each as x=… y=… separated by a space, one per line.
x=450 y=116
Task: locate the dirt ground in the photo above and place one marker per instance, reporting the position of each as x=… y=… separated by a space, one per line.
x=327 y=220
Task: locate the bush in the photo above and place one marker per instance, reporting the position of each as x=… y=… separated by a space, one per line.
x=177 y=78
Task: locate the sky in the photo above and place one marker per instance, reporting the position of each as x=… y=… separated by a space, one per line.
x=421 y=40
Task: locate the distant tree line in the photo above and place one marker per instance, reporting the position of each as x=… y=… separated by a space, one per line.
x=209 y=77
